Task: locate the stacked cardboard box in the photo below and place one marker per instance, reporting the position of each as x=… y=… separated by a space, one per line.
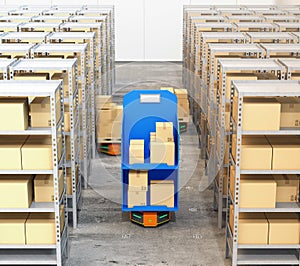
x=162 y=193
x=183 y=103
x=267 y=228
x=136 y=151
x=137 y=188
x=162 y=146
x=109 y=119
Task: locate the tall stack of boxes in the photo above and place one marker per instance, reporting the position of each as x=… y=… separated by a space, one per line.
x=137 y=188
x=109 y=119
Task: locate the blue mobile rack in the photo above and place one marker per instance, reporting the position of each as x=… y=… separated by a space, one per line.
x=142 y=109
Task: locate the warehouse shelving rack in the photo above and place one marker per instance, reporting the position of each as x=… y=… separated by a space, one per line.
x=15 y=19
x=49 y=19
x=292 y=67
x=271 y=37
x=253 y=27
x=9 y=26
x=39 y=26
x=215 y=52
x=288 y=26
x=24 y=37
x=281 y=18
x=4 y=68
x=89 y=39
x=78 y=51
x=70 y=67
x=233 y=66
x=101 y=71
x=39 y=254
x=15 y=50
x=154 y=106
x=197 y=82
x=259 y=254
x=281 y=50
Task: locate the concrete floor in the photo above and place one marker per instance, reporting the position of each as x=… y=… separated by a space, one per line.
x=103 y=237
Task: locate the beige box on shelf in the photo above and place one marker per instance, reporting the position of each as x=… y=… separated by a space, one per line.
x=116 y=130
x=235 y=76
x=44 y=187
x=256 y=153
x=283 y=229
x=69 y=180
x=164 y=131
x=183 y=108
x=286 y=152
x=138 y=181
x=287 y=188
x=103 y=101
x=40 y=229
x=117 y=113
x=152 y=136
x=137 y=198
x=14 y=114
x=104 y=131
x=37 y=153
x=10 y=152
x=136 y=151
x=104 y=115
x=257 y=191
x=16 y=191
x=67 y=118
x=40 y=112
x=290 y=112
x=162 y=193
x=12 y=228
x=162 y=152
x=181 y=93
x=253 y=228
x=258 y=113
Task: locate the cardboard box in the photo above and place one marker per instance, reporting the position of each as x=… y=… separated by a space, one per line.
x=183 y=108
x=67 y=118
x=256 y=153
x=287 y=188
x=258 y=113
x=290 y=112
x=40 y=229
x=257 y=191
x=136 y=151
x=138 y=181
x=16 y=191
x=104 y=115
x=14 y=114
x=40 y=112
x=37 y=153
x=235 y=76
x=118 y=113
x=162 y=193
x=104 y=131
x=44 y=187
x=284 y=230
x=170 y=89
x=116 y=130
x=12 y=228
x=10 y=152
x=181 y=93
x=152 y=136
x=137 y=198
x=164 y=131
x=286 y=152
x=69 y=180
x=162 y=152
x=31 y=76
x=103 y=101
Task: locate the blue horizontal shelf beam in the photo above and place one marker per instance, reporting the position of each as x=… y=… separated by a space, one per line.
x=148 y=166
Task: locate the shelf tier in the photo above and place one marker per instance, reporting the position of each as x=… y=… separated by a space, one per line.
x=150 y=209
x=270 y=172
x=148 y=166
x=26 y=172
x=29 y=131
x=276 y=132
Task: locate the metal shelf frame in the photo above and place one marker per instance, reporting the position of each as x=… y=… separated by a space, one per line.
x=24 y=37
x=39 y=27
x=16 y=49
x=229 y=66
x=274 y=50
x=70 y=67
x=273 y=37
x=267 y=254
x=45 y=254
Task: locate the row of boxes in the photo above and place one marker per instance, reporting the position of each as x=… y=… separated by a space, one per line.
x=109 y=119
x=161 y=191
x=269 y=113
x=27 y=153
x=267 y=153
x=30 y=229
x=264 y=191
x=267 y=228
x=162 y=146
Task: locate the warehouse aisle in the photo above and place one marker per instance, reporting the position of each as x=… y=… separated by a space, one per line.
x=103 y=237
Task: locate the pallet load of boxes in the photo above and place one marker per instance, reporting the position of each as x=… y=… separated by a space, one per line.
x=48 y=122
x=239 y=63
